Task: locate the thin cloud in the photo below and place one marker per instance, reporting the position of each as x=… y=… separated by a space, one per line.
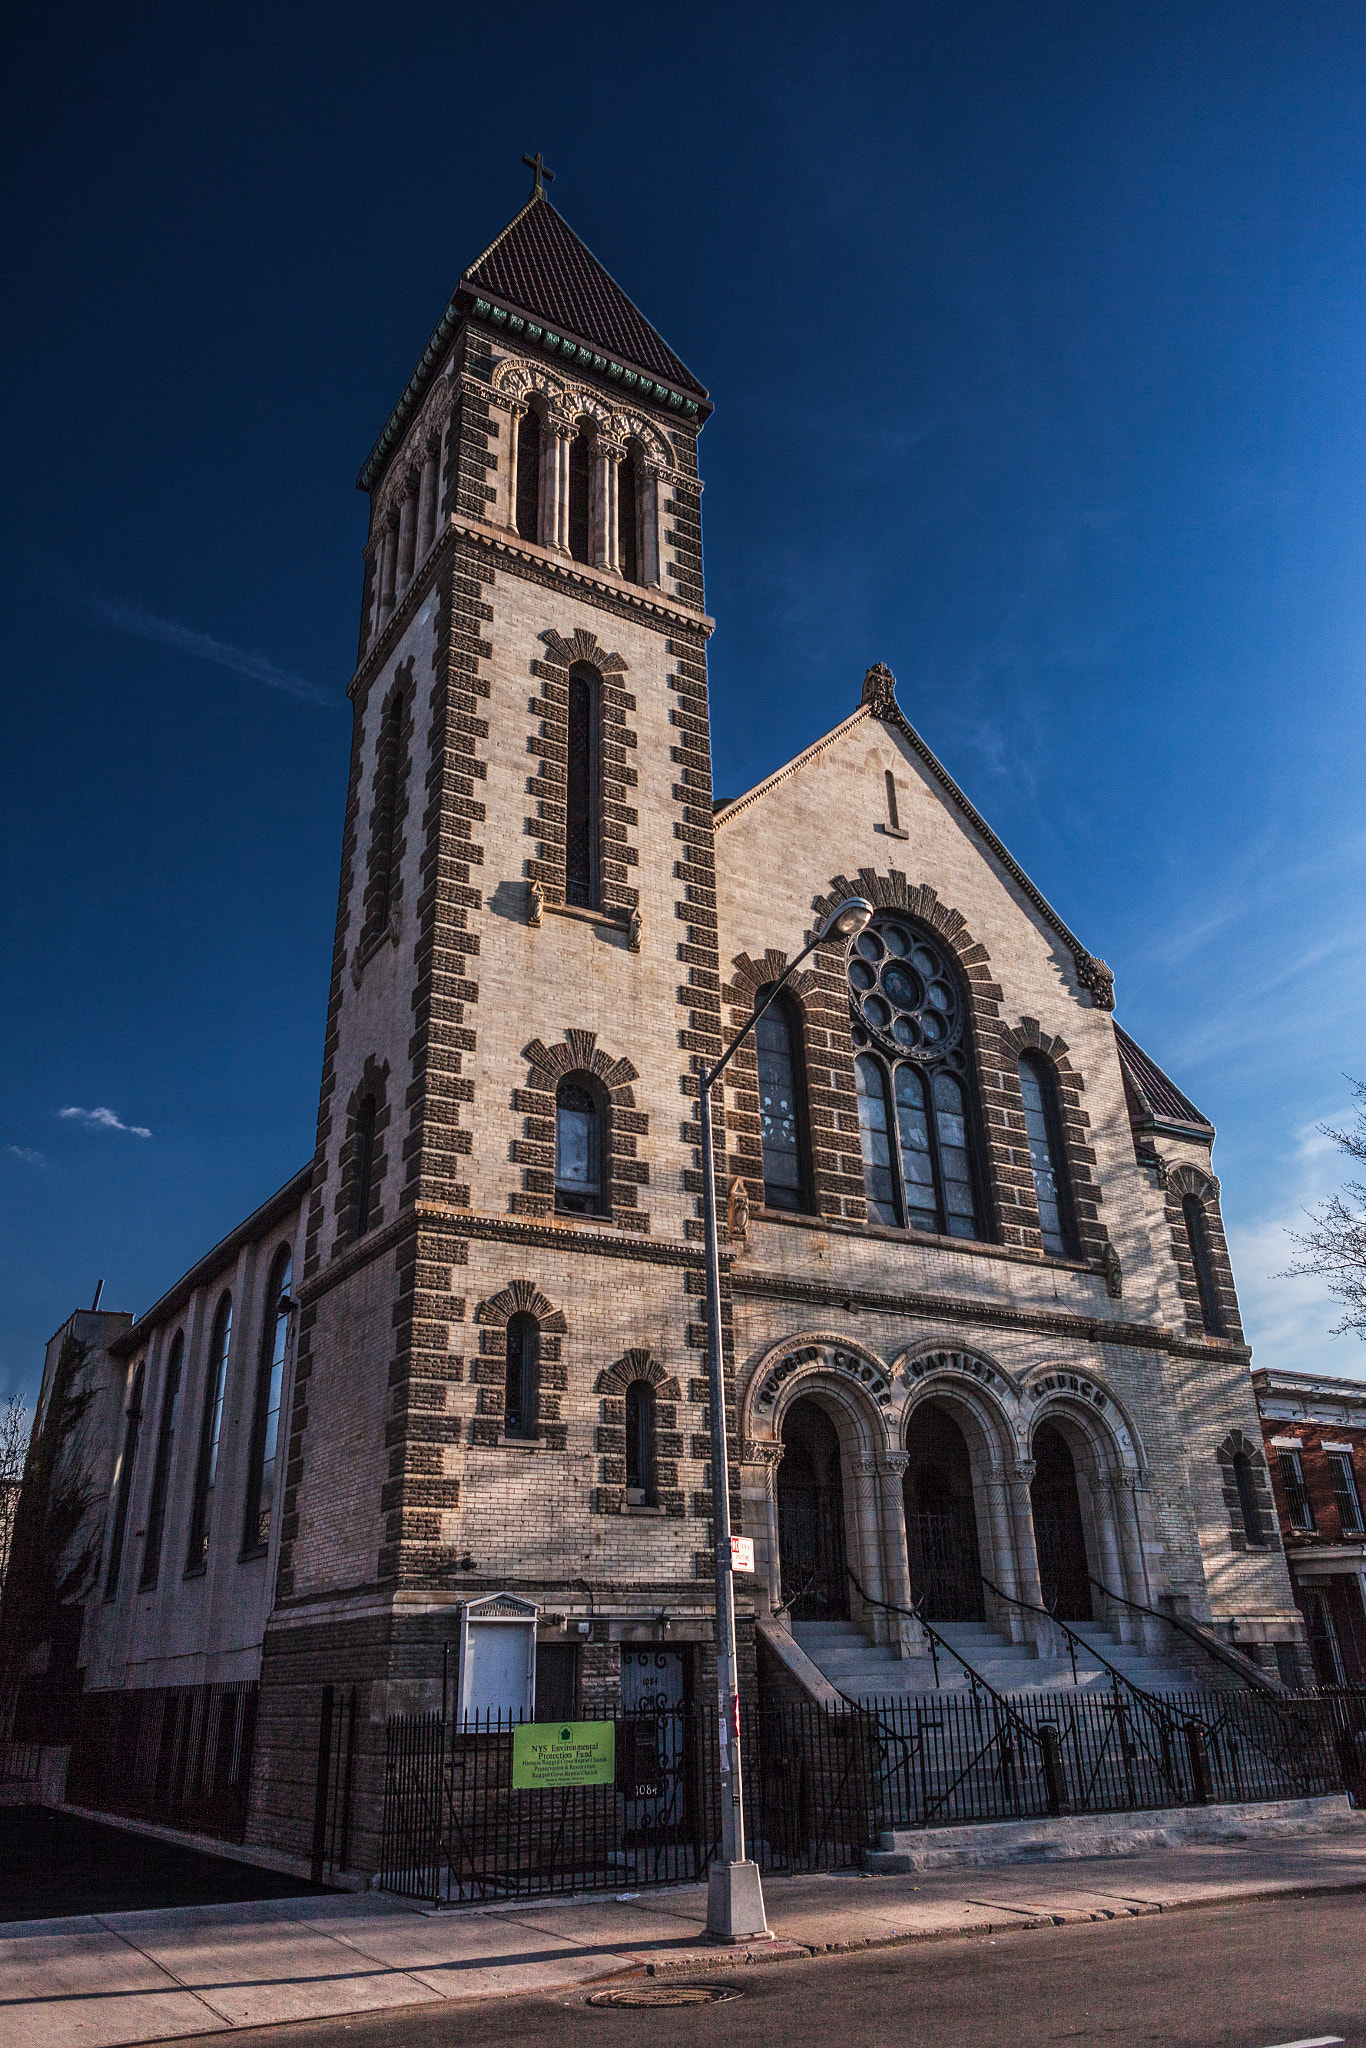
x=25 y=1155
x=102 y=1120
x=120 y=616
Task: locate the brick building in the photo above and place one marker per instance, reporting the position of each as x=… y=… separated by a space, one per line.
x=1314 y=1429
x=979 y=1313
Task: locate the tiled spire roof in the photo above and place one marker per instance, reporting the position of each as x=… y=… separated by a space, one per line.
x=539 y=266
x=1152 y=1097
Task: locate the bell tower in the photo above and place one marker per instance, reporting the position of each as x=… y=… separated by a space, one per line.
x=503 y=1235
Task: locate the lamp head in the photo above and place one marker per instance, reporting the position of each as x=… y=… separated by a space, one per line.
x=851 y=918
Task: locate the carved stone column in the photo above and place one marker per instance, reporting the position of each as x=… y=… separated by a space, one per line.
x=1129 y=1490
x=407 y=533
x=906 y=1636
x=649 y=526
x=1027 y=1583
x=515 y=412
x=996 y=1486
x=868 y=1563
x=555 y=484
x=1110 y=1508
x=606 y=536
x=762 y=1459
x=388 y=566
x=426 y=497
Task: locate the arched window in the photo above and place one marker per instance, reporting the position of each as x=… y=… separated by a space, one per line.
x=580 y=479
x=365 y=1163
x=782 y=1109
x=387 y=766
x=582 y=788
x=628 y=515
x=519 y=1396
x=529 y=476
x=640 y=1444
x=1247 y=1498
x=265 y=1435
x=1192 y=1209
x=123 y=1483
x=206 y=1476
x=1043 y=1125
x=909 y=1025
x=578 y=1149
x=161 y=1470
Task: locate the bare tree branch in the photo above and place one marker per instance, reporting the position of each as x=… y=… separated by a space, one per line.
x=1334 y=1248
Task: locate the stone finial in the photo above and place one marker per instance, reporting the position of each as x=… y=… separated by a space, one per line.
x=1096 y=976
x=737 y=1212
x=879 y=690
x=1114 y=1273
x=535 y=901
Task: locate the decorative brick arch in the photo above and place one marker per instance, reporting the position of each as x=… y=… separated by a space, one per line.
x=1029 y=1036
x=374 y=1080
x=618 y=820
x=489 y=1370
x=1189 y=1180
x=579 y=1053
x=1239 y=1535
x=609 y=1498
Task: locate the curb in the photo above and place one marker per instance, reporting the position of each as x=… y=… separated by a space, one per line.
x=781 y=1951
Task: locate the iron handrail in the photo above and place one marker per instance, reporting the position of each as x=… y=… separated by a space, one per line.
x=1221 y=1652
x=1073 y=1638
x=1015 y=1718
x=800 y=1594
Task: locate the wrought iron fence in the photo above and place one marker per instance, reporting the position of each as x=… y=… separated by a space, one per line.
x=820 y=1787
x=180 y=1755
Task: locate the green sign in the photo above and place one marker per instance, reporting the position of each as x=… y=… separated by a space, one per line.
x=549 y=1753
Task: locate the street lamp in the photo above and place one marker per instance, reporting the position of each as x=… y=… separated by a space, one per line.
x=735 y=1897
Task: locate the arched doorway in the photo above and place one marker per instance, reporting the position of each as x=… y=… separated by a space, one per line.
x=941 y=1519
x=1059 y=1536
x=811 y=1516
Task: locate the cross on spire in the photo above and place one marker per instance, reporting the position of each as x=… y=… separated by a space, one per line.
x=536 y=165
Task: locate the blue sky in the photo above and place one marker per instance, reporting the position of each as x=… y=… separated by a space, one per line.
x=1035 y=334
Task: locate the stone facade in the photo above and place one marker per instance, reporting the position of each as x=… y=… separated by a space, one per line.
x=466 y=989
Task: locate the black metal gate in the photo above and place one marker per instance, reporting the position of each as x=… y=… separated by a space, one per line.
x=946 y=1579
x=1058 y=1534
x=811 y=1545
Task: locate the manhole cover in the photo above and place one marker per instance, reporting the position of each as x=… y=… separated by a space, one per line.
x=633 y=1995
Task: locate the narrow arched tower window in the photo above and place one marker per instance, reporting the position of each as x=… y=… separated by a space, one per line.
x=386 y=813
x=580 y=482
x=161 y=1470
x=123 y=1485
x=529 y=476
x=206 y=1476
x=1247 y=1497
x=640 y=1444
x=781 y=1108
x=265 y=1436
x=578 y=1148
x=628 y=516
x=1043 y=1126
x=365 y=1163
x=582 y=788
x=519 y=1394
x=1193 y=1211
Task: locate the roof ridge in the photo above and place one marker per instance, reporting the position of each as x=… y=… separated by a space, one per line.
x=506 y=230
x=1148 y=1082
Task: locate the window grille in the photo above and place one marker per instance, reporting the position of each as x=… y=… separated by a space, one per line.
x=578 y=1150
x=1345 y=1493
x=520 y=1389
x=640 y=1444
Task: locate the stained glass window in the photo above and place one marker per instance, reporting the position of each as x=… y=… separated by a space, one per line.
x=780 y=1109
x=908 y=1023
x=269 y=1389
x=1042 y=1126
x=578 y=1149
x=206 y=1478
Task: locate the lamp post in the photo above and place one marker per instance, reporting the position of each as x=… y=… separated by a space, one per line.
x=735 y=1898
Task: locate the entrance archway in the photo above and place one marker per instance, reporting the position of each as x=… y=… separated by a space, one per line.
x=1059 y=1534
x=811 y=1515
x=941 y=1519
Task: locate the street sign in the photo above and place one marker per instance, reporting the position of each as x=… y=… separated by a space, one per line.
x=552 y=1753
x=742 y=1553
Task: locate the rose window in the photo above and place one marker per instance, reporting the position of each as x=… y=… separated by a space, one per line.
x=905 y=1000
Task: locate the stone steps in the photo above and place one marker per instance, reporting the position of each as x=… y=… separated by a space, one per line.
x=867 y=1671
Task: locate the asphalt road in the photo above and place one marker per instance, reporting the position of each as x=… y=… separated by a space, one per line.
x=1244 y=1976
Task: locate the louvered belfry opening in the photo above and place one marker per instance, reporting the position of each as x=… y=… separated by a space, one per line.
x=580 y=476
x=529 y=476
x=628 y=516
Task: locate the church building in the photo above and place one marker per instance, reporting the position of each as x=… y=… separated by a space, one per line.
x=981 y=1335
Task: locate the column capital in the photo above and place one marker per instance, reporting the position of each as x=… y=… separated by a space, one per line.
x=762 y=1451
x=894 y=1463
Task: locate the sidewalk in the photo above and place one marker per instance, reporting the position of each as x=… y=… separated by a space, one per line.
x=125 y=1977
